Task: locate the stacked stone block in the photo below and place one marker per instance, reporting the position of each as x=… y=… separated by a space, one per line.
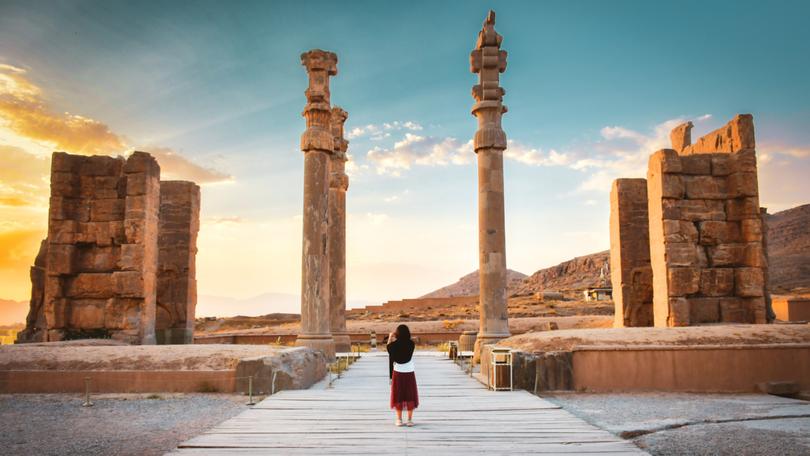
x=631 y=272
x=706 y=231
x=100 y=255
x=706 y=237
x=96 y=272
x=177 y=252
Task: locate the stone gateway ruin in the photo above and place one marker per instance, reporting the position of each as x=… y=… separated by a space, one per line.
x=687 y=242
x=118 y=260
x=700 y=234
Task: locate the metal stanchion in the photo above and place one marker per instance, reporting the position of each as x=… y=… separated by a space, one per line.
x=250 y=391
x=87 y=402
x=273 y=384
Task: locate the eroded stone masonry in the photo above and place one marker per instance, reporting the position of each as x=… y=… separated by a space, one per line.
x=631 y=271
x=706 y=238
x=96 y=274
x=177 y=254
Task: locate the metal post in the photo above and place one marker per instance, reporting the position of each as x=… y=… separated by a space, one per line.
x=273 y=384
x=250 y=391
x=87 y=402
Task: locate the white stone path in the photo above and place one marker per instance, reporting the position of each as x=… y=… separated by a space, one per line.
x=456 y=416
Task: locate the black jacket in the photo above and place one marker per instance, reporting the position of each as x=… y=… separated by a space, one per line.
x=400 y=351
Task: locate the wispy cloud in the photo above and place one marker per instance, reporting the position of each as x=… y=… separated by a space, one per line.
x=621 y=152
x=24 y=112
x=419 y=150
x=23 y=178
x=176 y=166
x=397 y=197
x=415 y=150
x=528 y=155
x=381 y=131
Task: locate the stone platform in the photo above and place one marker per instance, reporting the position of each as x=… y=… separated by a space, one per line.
x=456 y=416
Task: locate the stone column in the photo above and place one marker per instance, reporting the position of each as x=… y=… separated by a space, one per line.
x=338 y=184
x=317 y=144
x=490 y=141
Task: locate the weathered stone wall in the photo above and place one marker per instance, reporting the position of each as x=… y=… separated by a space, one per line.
x=631 y=272
x=706 y=231
x=100 y=256
x=177 y=251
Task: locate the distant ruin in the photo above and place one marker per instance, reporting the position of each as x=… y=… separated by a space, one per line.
x=706 y=235
x=111 y=238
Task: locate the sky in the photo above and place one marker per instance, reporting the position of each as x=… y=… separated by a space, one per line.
x=215 y=91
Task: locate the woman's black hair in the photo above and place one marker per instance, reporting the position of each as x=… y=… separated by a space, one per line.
x=403 y=333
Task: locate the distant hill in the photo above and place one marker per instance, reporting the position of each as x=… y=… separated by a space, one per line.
x=576 y=274
x=469 y=286
x=789 y=249
x=12 y=312
x=263 y=304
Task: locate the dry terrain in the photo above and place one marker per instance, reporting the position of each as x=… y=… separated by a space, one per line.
x=689 y=335
x=469 y=285
x=121 y=424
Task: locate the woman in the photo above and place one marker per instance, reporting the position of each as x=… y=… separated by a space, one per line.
x=401 y=372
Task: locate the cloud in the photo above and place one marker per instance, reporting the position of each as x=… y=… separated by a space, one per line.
x=415 y=150
x=397 y=197
x=353 y=168
x=24 y=178
x=527 y=155
x=176 y=166
x=228 y=220
x=24 y=112
x=621 y=152
x=381 y=131
x=419 y=150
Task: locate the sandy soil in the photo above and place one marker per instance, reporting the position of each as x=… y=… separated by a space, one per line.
x=699 y=424
x=92 y=356
x=692 y=335
x=57 y=424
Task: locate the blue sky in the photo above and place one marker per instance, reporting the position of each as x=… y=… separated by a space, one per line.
x=592 y=89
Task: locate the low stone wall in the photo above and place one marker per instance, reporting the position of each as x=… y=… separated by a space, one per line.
x=60 y=381
x=294 y=368
x=356 y=338
x=693 y=368
x=709 y=369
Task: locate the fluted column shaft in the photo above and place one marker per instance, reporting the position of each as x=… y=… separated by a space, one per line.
x=488 y=61
x=318 y=145
x=338 y=184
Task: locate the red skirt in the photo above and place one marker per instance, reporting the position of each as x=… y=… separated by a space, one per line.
x=404 y=394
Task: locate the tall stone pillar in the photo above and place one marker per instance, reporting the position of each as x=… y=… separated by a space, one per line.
x=317 y=144
x=338 y=184
x=488 y=61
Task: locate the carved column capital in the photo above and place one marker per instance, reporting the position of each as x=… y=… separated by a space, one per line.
x=320 y=66
x=338 y=178
x=488 y=61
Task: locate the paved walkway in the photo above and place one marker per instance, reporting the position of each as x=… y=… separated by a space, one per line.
x=456 y=416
